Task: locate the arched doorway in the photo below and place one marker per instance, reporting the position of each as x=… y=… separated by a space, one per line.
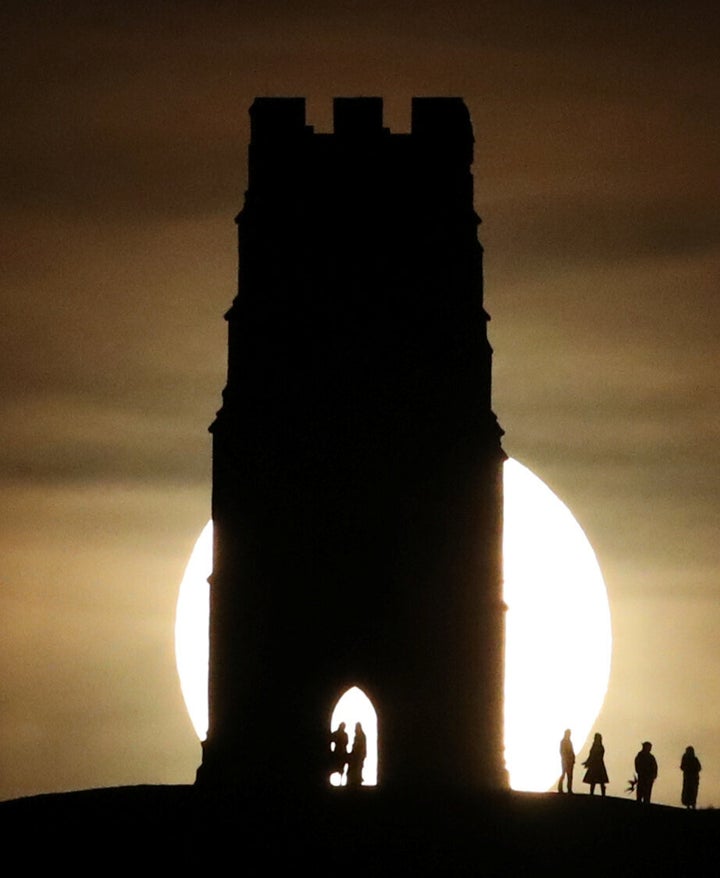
x=352 y=707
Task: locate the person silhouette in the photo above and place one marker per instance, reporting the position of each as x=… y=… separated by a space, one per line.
x=646 y=770
x=690 y=767
x=356 y=757
x=339 y=750
x=595 y=764
x=567 y=762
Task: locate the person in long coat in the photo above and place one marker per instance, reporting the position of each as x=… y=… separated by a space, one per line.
x=595 y=764
x=690 y=767
x=356 y=757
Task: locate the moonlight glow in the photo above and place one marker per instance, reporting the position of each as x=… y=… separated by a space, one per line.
x=191 y=631
x=352 y=707
x=558 y=637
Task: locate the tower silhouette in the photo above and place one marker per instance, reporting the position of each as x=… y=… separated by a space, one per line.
x=357 y=463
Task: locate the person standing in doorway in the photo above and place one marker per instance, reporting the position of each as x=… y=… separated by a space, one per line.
x=339 y=751
x=356 y=757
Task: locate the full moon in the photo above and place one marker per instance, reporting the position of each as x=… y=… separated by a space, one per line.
x=558 y=634
x=558 y=639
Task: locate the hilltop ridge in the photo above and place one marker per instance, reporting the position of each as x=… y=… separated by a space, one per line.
x=364 y=832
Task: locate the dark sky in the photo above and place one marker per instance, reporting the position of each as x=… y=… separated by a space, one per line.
x=122 y=166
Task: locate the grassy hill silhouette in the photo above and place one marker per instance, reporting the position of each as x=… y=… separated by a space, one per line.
x=361 y=832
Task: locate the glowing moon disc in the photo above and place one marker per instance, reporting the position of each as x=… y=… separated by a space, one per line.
x=191 y=631
x=558 y=638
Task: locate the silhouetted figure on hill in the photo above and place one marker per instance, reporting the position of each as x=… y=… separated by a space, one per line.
x=646 y=769
x=595 y=764
x=567 y=762
x=339 y=750
x=356 y=757
x=690 y=767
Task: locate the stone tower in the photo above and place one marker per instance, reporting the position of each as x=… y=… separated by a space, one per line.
x=357 y=464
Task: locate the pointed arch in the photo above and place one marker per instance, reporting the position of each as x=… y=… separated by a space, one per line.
x=354 y=706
